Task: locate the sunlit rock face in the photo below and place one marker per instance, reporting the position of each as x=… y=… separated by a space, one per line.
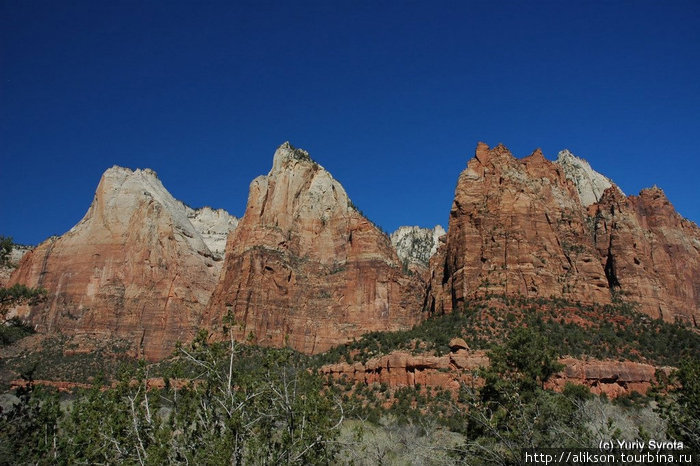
x=517 y=227
x=305 y=269
x=416 y=245
x=134 y=267
x=589 y=183
x=541 y=229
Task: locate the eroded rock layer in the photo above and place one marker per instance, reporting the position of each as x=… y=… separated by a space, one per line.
x=450 y=371
x=134 y=267
x=305 y=269
x=517 y=227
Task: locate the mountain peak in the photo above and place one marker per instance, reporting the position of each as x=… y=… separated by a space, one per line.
x=287 y=153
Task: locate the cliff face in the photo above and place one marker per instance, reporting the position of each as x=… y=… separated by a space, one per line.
x=134 y=267
x=517 y=227
x=415 y=245
x=650 y=253
x=305 y=269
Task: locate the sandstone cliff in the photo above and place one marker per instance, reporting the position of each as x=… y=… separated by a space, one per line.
x=517 y=227
x=304 y=268
x=134 y=267
x=416 y=245
x=651 y=254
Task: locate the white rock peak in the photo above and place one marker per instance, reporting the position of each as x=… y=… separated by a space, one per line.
x=416 y=245
x=121 y=191
x=589 y=183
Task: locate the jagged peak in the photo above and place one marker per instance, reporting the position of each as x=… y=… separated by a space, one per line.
x=287 y=152
x=484 y=154
x=654 y=191
x=537 y=153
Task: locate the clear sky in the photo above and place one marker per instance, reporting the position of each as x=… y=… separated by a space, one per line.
x=390 y=97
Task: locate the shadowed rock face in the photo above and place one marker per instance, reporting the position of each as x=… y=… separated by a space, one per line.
x=134 y=267
x=651 y=254
x=305 y=269
x=517 y=227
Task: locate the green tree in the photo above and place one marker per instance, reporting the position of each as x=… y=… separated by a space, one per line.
x=682 y=407
x=6 y=245
x=18 y=294
x=526 y=357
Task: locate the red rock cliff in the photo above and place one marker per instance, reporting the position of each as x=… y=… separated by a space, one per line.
x=650 y=253
x=516 y=227
x=304 y=268
x=133 y=268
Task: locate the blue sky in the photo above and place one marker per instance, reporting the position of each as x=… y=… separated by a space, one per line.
x=391 y=97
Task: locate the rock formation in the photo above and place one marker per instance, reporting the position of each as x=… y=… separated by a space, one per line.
x=304 y=268
x=651 y=254
x=517 y=227
x=589 y=183
x=135 y=267
x=416 y=245
x=401 y=369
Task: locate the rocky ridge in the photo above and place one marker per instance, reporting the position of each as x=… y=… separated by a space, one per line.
x=134 y=267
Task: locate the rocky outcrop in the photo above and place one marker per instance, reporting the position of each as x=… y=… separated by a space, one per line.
x=589 y=183
x=400 y=369
x=650 y=253
x=613 y=378
x=305 y=269
x=134 y=267
x=517 y=227
x=416 y=245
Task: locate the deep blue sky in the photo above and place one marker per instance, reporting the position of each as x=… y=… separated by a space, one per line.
x=391 y=97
